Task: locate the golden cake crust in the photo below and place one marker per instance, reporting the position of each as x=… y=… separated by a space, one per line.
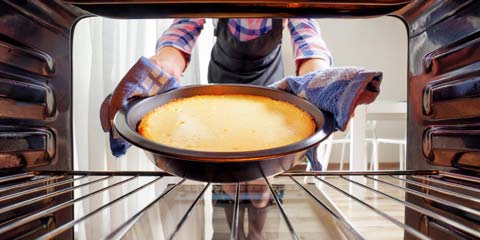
x=226 y=123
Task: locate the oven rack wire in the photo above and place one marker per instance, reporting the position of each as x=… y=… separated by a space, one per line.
x=422 y=183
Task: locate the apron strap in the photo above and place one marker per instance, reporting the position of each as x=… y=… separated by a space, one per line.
x=223 y=21
x=277 y=25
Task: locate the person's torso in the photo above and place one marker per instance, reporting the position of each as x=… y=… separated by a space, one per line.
x=246 y=29
x=256 y=60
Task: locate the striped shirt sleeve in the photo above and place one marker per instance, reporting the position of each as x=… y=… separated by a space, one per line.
x=307 y=41
x=182 y=35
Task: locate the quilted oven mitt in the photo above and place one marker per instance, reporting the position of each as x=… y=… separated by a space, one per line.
x=144 y=79
x=336 y=90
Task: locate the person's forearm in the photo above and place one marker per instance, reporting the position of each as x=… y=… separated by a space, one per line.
x=173 y=54
x=312 y=64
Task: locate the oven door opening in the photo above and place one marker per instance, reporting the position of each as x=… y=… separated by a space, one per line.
x=406 y=168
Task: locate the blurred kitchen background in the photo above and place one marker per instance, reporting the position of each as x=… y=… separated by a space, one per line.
x=104 y=50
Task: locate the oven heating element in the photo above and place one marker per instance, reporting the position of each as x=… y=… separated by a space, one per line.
x=26 y=189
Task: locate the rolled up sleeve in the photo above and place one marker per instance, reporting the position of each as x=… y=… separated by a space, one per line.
x=182 y=35
x=307 y=41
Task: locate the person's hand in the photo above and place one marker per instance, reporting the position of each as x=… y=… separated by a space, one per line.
x=144 y=79
x=336 y=90
x=170 y=60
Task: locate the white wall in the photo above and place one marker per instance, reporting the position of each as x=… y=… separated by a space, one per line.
x=376 y=44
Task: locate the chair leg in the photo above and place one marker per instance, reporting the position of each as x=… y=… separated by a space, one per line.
x=375 y=155
x=371 y=157
x=342 y=156
x=401 y=157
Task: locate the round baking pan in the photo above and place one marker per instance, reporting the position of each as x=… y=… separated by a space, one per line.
x=220 y=166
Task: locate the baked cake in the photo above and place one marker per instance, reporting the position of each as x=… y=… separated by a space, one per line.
x=226 y=123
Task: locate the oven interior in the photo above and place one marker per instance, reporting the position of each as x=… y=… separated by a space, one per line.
x=439 y=193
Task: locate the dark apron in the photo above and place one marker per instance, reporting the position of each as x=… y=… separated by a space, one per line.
x=257 y=61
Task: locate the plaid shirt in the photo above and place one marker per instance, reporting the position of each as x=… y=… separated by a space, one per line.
x=306 y=38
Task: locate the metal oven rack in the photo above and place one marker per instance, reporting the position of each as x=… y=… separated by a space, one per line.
x=23 y=190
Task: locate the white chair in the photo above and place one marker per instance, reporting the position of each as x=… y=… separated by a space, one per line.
x=387 y=111
x=402 y=147
x=325 y=148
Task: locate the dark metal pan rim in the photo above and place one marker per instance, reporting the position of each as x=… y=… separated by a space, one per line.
x=131 y=135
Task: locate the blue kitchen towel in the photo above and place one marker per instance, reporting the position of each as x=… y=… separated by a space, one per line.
x=144 y=79
x=336 y=90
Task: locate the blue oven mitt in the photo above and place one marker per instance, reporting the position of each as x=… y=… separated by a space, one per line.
x=144 y=79
x=335 y=90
